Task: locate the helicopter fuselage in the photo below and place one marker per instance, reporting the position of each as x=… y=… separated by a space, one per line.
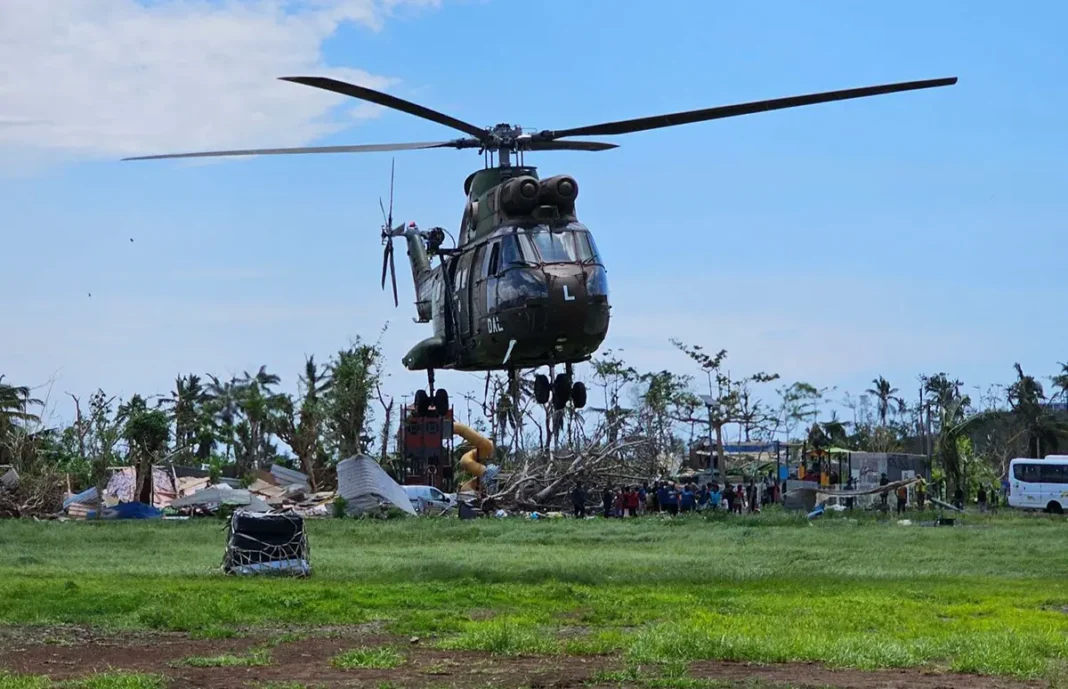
x=516 y=293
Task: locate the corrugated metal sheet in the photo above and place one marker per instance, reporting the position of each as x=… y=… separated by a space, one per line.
x=209 y=497
x=366 y=486
x=289 y=477
x=87 y=497
x=10 y=479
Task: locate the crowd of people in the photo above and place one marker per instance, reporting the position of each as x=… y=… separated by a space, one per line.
x=674 y=498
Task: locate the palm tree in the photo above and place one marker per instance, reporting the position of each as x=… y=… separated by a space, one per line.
x=223 y=402
x=15 y=402
x=1026 y=398
x=1061 y=380
x=260 y=406
x=193 y=422
x=885 y=394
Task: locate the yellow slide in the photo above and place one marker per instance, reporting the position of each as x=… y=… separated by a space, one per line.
x=470 y=463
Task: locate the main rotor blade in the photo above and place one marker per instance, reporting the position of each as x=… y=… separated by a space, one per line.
x=384 y=99
x=536 y=145
x=363 y=148
x=691 y=116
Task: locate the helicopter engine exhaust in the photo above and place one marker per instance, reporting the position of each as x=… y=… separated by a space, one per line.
x=560 y=191
x=519 y=195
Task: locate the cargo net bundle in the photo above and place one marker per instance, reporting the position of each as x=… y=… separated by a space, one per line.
x=267 y=544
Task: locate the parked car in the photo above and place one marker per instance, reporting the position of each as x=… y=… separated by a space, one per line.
x=429 y=500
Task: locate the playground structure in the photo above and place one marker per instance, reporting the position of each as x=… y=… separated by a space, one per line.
x=426 y=440
x=484 y=476
x=428 y=450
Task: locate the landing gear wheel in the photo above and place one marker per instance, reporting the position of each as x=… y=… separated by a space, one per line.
x=561 y=391
x=422 y=403
x=441 y=402
x=541 y=388
x=578 y=395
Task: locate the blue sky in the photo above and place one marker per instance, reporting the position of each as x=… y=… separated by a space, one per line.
x=896 y=235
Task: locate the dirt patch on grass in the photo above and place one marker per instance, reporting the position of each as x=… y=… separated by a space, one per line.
x=305 y=661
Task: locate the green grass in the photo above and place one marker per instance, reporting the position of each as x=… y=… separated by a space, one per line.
x=987 y=598
x=380 y=657
x=255 y=658
x=105 y=680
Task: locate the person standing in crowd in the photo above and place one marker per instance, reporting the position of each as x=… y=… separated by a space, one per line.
x=673 y=499
x=751 y=496
x=662 y=497
x=921 y=494
x=884 y=481
x=958 y=498
x=578 y=500
x=607 y=498
x=739 y=499
x=687 y=500
x=702 y=498
x=714 y=497
x=850 y=485
x=728 y=497
x=981 y=497
x=632 y=502
x=643 y=497
x=902 y=499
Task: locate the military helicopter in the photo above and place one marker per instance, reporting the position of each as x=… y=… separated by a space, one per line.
x=524 y=287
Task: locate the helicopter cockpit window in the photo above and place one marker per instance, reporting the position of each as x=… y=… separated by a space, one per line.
x=565 y=246
x=587 y=245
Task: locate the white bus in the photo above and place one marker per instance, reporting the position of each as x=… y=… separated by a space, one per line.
x=1039 y=484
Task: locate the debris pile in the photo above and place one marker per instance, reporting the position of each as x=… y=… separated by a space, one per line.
x=29 y=495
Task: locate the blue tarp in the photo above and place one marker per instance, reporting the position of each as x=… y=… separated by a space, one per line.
x=129 y=510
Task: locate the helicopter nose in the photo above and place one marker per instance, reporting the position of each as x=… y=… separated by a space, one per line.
x=575 y=311
x=567 y=288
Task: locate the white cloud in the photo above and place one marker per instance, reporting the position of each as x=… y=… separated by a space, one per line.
x=83 y=79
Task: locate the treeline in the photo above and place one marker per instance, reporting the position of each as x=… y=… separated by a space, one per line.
x=638 y=423
x=234 y=425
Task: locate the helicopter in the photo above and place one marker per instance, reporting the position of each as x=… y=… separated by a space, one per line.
x=524 y=287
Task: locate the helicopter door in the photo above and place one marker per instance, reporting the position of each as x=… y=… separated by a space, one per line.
x=484 y=291
x=463 y=281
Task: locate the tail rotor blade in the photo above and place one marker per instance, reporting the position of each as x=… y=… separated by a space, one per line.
x=389 y=222
x=393 y=275
x=385 y=259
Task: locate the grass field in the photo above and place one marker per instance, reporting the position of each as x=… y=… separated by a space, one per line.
x=990 y=598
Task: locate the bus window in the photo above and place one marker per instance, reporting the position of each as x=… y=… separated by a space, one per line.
x=1053 y=473
x=1027 y=473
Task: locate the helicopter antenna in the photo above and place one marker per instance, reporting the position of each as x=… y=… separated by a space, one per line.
x=387 y=238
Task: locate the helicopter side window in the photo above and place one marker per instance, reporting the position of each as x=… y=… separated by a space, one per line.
x=511 y=254
x=494 y=260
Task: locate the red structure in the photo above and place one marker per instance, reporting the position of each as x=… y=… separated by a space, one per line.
x=426 y=446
